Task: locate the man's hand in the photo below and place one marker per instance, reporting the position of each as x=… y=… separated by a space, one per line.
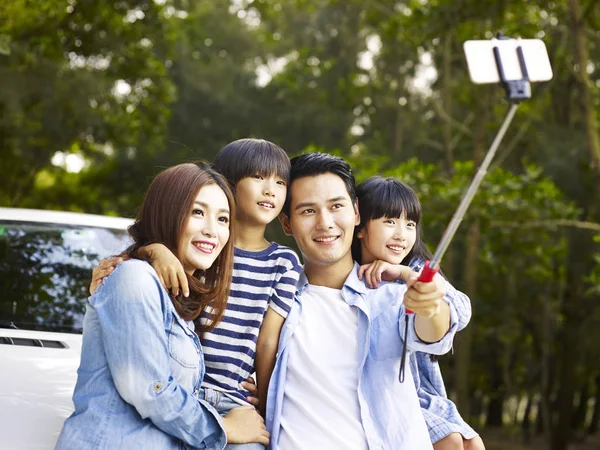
x=377 y=271
x=425 y=299
x=432 y=313
x=104 y=269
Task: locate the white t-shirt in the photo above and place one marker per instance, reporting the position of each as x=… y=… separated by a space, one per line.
x=320 y=407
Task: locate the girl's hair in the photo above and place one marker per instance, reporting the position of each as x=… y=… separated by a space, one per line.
x=249 y=157
x=387 y=197
x=162 y=218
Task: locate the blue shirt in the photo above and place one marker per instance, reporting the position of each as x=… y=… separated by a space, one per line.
x=140 y=371
x=440 y=413
x=390 y=411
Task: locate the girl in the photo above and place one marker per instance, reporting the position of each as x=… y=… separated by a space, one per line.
x=141 y=361
x=388 y=245
x=264 y=278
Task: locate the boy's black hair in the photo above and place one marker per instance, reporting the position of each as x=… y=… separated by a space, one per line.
x=313 y=164
x=248 y=157
x=387 y=197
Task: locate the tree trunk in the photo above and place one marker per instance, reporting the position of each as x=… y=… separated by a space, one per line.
x=495 y=409
x=447 y=102
x=578 y=420
x=526 y=424
x=569 y=339
x=583 y=80
x=593 y=428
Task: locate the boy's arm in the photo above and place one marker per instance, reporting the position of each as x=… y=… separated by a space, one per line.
x=280 y=305
x=266 y=354
x=168 y=268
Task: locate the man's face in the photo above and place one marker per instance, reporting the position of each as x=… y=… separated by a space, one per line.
x=322 y=219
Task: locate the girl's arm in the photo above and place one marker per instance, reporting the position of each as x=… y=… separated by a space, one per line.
x=266 y=353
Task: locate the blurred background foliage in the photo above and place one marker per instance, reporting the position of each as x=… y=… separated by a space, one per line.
x=98 y=96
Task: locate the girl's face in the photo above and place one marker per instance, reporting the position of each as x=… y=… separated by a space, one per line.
x=388 y=238
x=206 y=231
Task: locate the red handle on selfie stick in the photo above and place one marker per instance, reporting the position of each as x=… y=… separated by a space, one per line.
x=428 y=272
x=426 y=276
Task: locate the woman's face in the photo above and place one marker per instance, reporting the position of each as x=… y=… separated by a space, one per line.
x=206 y=231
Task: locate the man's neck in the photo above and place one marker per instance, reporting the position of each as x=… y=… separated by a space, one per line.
x=250 y=237
x=331 y=276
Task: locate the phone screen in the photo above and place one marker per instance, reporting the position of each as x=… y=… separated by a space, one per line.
x=482 y=65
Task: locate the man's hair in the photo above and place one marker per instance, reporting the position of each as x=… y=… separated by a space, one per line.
x=249 y=157
x=313 y=164
x=162 y=218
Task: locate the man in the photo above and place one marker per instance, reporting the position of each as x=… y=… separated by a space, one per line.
x=335 y=383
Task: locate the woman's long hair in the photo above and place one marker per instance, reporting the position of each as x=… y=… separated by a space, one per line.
x=162 y=218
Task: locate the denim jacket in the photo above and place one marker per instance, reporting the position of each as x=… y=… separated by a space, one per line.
x=140 y=372
x=390 y=411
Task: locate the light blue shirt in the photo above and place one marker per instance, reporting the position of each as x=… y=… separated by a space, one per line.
x=140 y=372
x=441 y=414
x=390 y=411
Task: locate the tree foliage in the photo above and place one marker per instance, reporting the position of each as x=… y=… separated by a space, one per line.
x=132 y=86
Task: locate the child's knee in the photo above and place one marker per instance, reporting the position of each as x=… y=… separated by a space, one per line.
x=474 y=444
x=453 y=441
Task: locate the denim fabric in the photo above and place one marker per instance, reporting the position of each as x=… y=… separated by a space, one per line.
x=140 y=372
x=223 y=405
x=390 y=411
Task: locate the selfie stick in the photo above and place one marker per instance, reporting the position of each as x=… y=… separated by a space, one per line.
x=516 y=91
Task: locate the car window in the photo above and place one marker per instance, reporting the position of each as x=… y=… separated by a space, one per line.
x=45 y=270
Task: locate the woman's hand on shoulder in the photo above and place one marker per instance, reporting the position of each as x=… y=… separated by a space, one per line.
x=244 y=425
x=168 y=268
x=377 y=271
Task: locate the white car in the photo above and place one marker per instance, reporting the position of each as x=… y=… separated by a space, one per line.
x=46 y=259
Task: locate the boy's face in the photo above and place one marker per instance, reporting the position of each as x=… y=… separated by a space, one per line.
x=322 y=219
x=259 y=199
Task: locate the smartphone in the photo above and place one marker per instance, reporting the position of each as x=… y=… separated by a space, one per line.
x=482 y=64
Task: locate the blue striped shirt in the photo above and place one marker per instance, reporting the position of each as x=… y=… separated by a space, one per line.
x=261 y=280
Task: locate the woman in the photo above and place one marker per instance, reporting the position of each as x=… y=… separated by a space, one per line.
x=141 y=363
